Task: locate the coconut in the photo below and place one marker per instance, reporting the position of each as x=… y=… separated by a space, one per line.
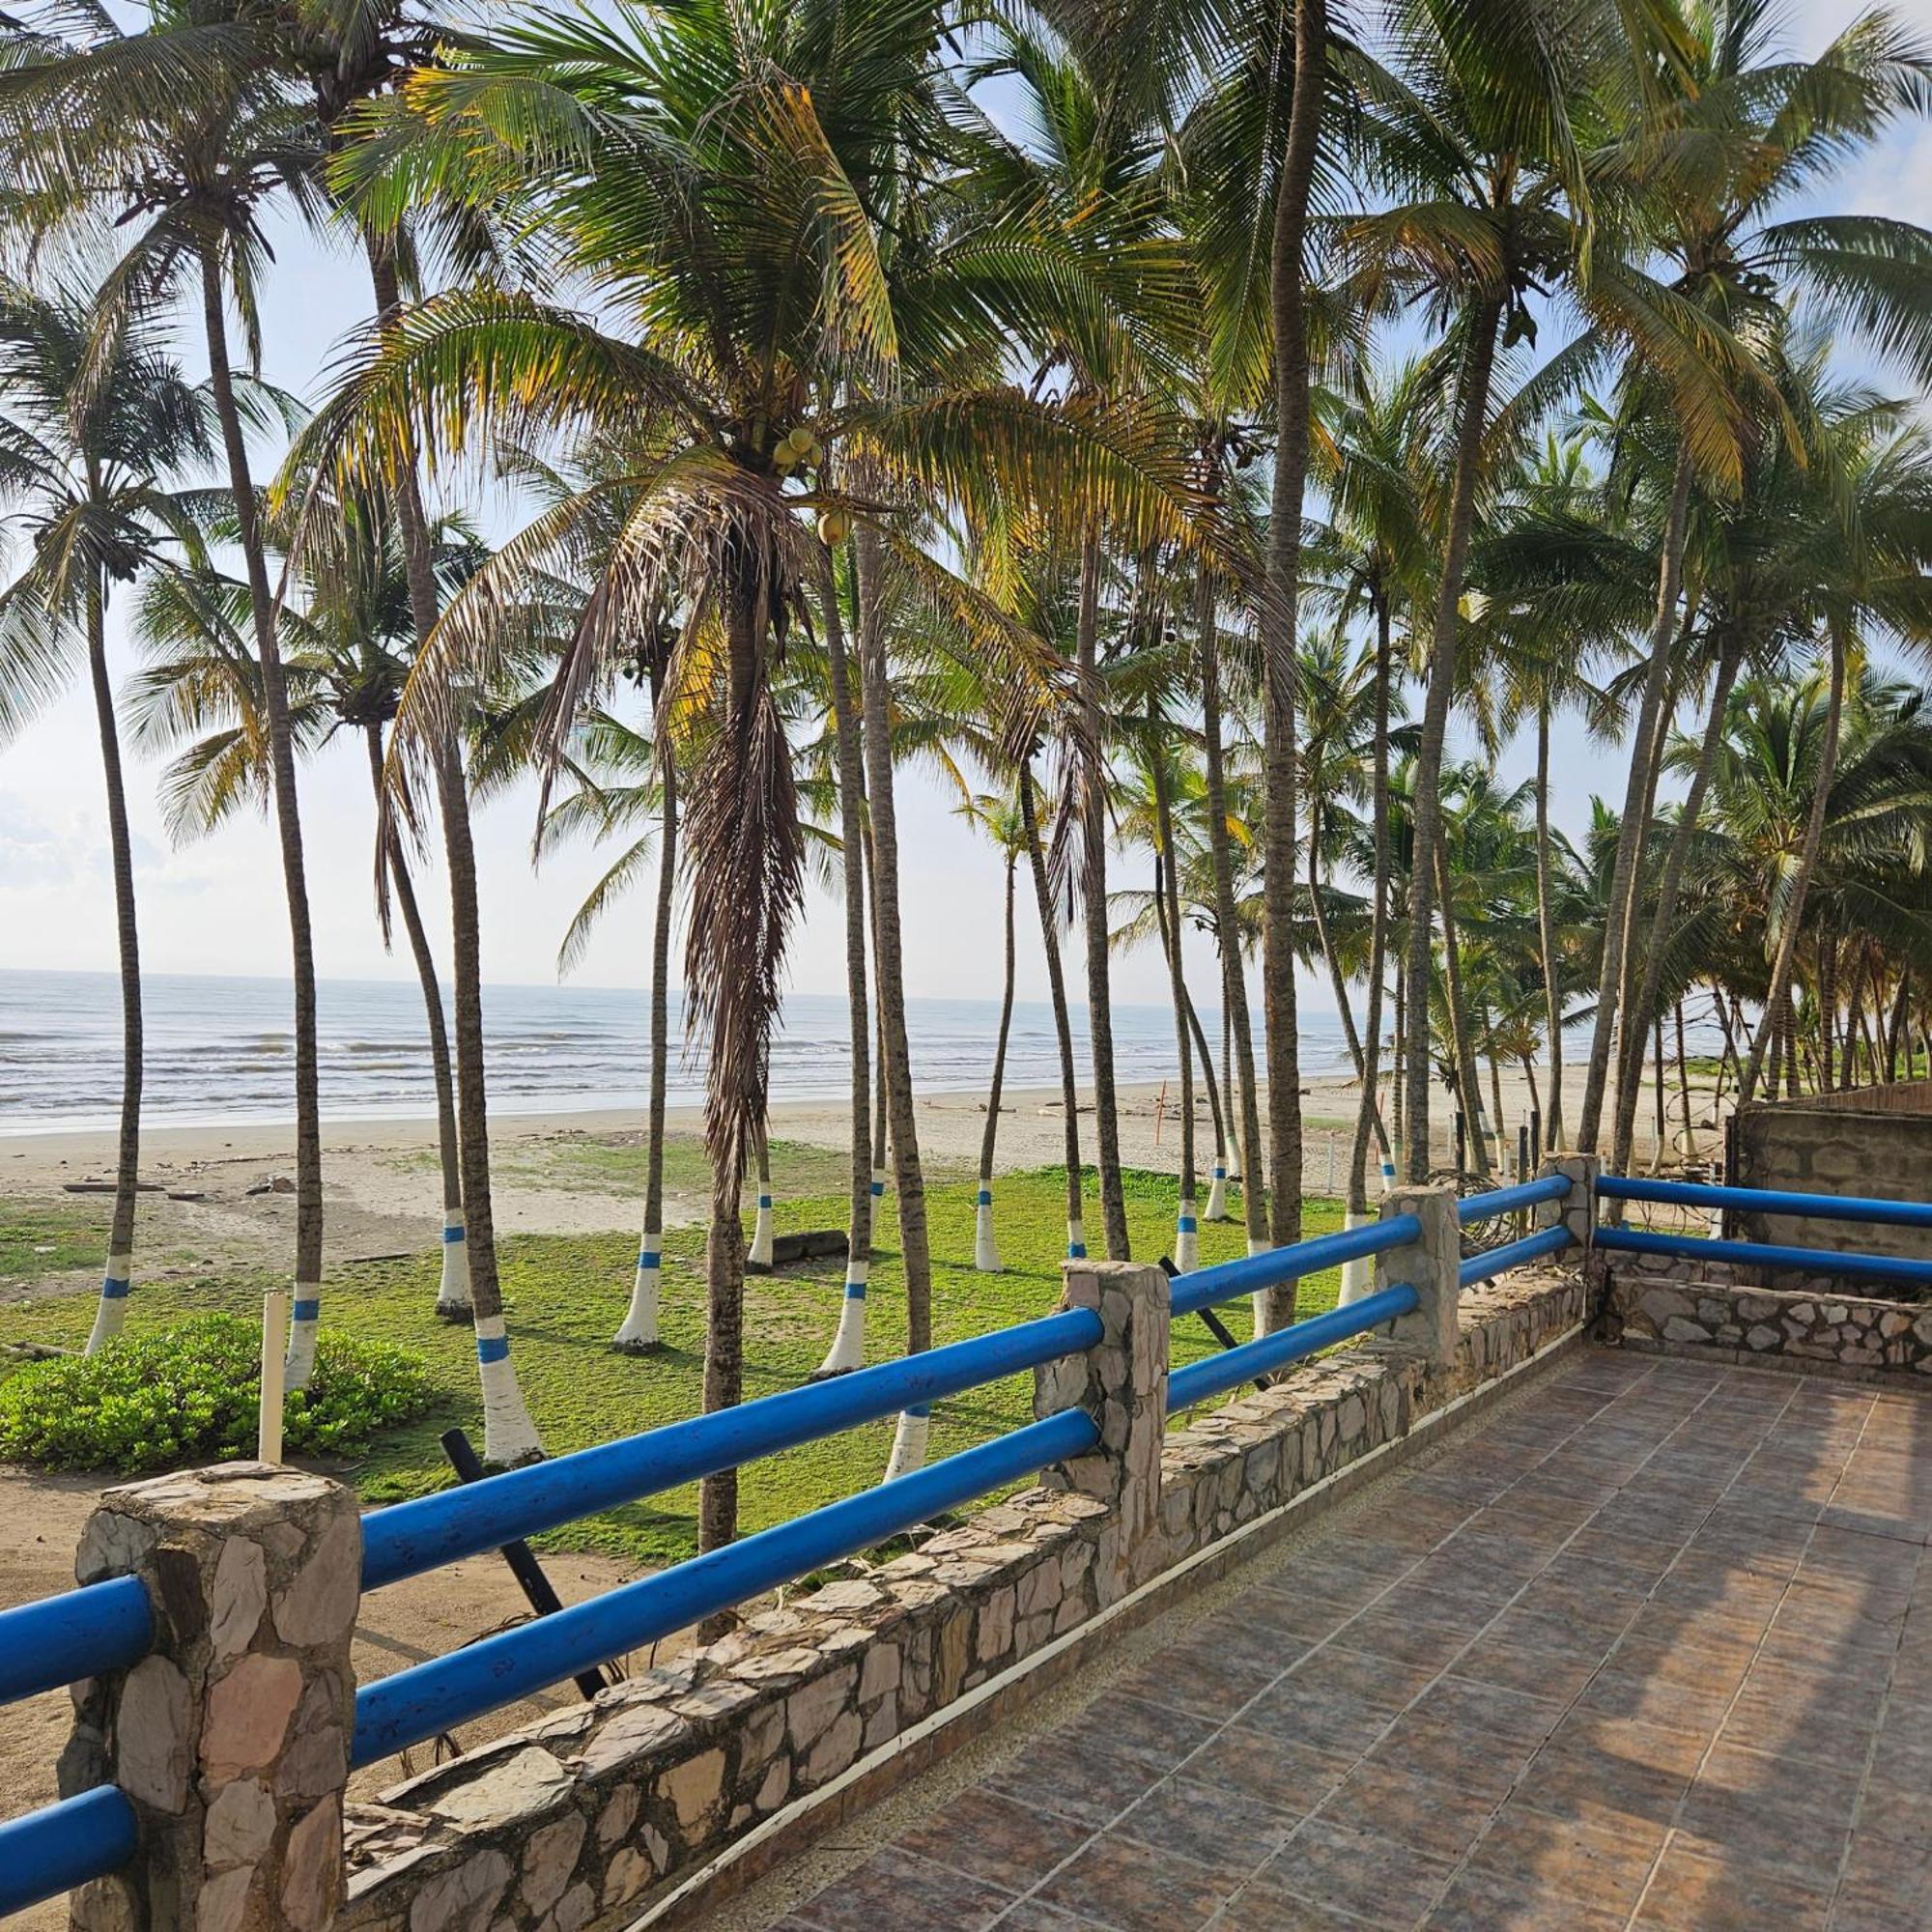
x=834 y=526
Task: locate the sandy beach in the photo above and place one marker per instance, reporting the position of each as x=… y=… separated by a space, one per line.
x=214 y=1198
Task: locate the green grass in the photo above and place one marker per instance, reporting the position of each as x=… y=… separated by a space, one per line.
x=48 y=1238
x=565 y=1296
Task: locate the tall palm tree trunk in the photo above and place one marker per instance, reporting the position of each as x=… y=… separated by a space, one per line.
x=848 y=1342
x=1629 y=1046
x=117 y=1278
x=1063 y=1023
x=985 y=1246
x=908 y=1180
x=1671 y=879
x=1186 y=1224
x=1368 y=1111
x=1545 y=929
x=1426 y=812
x=1216 y=1208
x=1092 y=778
x=1779 y=994
x=307 y=1306
x=1338 y=980
x=1633 y=829
x=1274 y=1307
x=452 y=1302
x=1462 y=1039
x=638 y=1332
x=509 y=1434
x=1244 y=1103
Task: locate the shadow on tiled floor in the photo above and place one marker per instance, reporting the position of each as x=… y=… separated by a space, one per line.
x=1646 y=1650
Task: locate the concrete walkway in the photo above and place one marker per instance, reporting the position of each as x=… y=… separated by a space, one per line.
x=1650 y=1647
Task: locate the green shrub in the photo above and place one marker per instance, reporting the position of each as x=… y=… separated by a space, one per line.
x=187 y=1393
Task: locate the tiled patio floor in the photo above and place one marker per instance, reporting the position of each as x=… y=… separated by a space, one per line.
x=1650 y=1648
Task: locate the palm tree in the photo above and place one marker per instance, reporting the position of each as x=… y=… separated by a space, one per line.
x=95 y=420
x=1739 y=132
x=743 y=338
x=1002 y=823
x=347 y=641
x=177 y=135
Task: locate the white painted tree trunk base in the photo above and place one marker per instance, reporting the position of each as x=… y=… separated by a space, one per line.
x=1217 y=1195
x=1359 y=1276
x=452 y=1295
x=1257 y=1300
x=908 y=1444
x=110 y=1312
x=1388 y=1177
x=510 y=1437
x=985 y=1249
x=759 y=1253
x=849 y=1344
x=878 y=1186
x=1076 y=1240
x=298 y=1364
x=1186 y=1239
x=639 y=1334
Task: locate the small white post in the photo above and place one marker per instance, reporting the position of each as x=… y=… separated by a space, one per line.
x=268 y=1424
x=985 y=1247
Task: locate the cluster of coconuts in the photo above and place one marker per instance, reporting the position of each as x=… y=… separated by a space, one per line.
x=800 y=449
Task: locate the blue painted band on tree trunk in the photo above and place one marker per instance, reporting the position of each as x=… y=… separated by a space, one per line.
x=986 y=1197
x=493 y=1347
x=855 y=1290
x=649 y=1258
x=1076 y=1251
x=452 y=1233
x=112 y=1290
x=309 y=1310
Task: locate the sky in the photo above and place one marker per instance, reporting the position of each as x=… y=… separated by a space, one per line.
x=216 y=905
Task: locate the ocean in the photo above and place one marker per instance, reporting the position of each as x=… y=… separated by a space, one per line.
x=222 y=1050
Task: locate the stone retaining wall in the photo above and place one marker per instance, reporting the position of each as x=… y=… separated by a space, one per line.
x=1673 y=1306
x=594 y=1814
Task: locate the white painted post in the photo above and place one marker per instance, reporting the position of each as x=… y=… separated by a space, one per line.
x=269 y=1423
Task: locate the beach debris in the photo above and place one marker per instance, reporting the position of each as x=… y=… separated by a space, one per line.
x=805 y=1245
x=186 y=1193
x=279 y=1184
x=108 y=1187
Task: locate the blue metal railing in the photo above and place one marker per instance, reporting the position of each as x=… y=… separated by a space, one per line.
x=1215 y=1374
x=430 y=1697
x=406 y=1538
x=1475 y=1207
x=1203 y=1288
x=53 y=1850
x=79 y=1633
x=1764 y=1254
x=1876 y=1213
x=1512 y=1254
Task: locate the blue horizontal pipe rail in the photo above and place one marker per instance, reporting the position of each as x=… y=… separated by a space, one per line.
x=1203 y=1288
x=406 y=1538
x=1475 y=1207
x=1512 y=1254
x=79 y=1633
x=428 y=1698
x=1215 y=1374
x=1770 y=1201
x=1765 y=1254
x=51 y=1851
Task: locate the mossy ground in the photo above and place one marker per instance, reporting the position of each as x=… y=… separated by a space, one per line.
x=565 y=1296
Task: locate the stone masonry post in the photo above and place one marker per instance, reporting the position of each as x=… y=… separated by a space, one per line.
x=231 y=1737
x=1577 y=1210
x=1121 y=1383
x=1429 y=1266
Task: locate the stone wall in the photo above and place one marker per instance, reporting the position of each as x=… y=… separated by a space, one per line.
x=1873 y=1141
x=1674 y=1306
x=597 y=1812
